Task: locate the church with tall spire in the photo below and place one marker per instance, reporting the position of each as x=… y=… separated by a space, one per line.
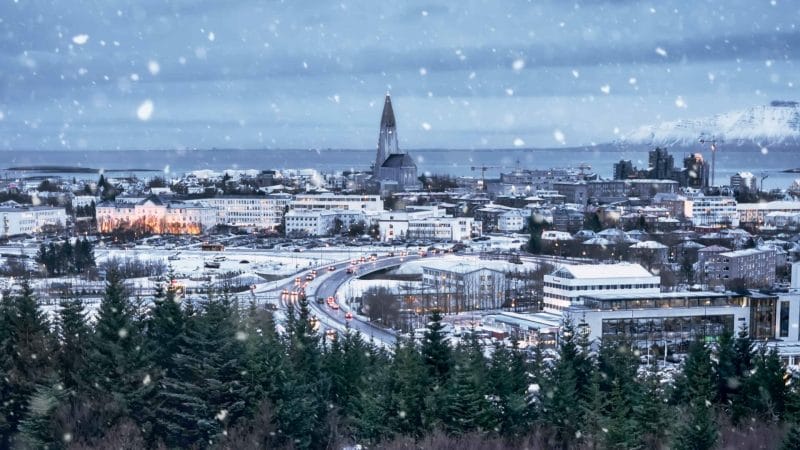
x=394 y=170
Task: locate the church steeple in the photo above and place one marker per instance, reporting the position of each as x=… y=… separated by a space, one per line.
x=387 y=118
x=387 y=138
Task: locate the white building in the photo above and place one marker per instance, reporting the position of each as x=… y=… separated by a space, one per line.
x=264 y=213
x=154 y=216
x=30 y=220
x=744 y=180
x=565 y=287
x=394 y=224
x=338 y=201
x=715 y=212
x=782 y=220
x=80 y=201
x=321 y=223
x=755 y=213
x=464 y=286
x=441 y=229
x=513 y=221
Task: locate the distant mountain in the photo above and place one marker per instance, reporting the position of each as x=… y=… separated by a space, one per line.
x=775 y=124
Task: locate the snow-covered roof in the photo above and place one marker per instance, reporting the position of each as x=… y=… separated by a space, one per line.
x=621 y=270
x=597 y=241
x=652 y=245
x=714 y=249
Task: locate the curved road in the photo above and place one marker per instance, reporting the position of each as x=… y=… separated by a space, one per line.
x=328 y=285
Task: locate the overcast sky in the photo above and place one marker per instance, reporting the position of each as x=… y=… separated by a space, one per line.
x=99 y=74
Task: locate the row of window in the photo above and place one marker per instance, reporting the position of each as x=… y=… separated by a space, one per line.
x=601 y=287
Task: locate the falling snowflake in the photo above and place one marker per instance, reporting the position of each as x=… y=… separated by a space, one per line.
x=426 y=126
x=518 y=64
x=558 y=135
x=518 y=142
x=241 y=336
x=423 y=71
x=80 y=39
x=145 y=110
x=122 y=333
x=211 y=36
x=680 y=103
x=153 y=67
x=661 y=52
x=605 y=89
x=146 y=380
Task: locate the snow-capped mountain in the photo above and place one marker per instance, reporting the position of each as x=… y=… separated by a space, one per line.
x=776 y=123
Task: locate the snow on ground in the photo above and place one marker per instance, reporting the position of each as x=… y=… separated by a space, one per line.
x=415 y=267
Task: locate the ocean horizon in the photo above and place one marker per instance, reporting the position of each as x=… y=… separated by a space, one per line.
x=459 y=162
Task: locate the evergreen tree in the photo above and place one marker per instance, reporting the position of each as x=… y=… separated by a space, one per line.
x=652 y=414
x=622 y=429
x=507 y=380
x=165 y=326
x=536 y=226
x=26 y=350
x=698 y=430
x=73 y=343
x=792 y=439
x=371 y=415
x=466 y=408
x=410 y=384
x=562 y=399
x=264 y=353
x=767 y=387
x=302 y=411
x=119 y=372
x=181 y=414
x=40 y=429
x=436 y=352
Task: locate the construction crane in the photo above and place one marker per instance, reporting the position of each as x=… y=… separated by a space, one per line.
x=712 y=141
x=764 y=176
x=483 y=170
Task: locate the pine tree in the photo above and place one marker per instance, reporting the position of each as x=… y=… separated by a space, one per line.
x=652 y=413
x=436 y=352
x=181 y=413
x=410 y=384
x=25 y=357
x=165 y=326
x=622 y=429
x=768 y=390
x=507 y=380
x=303 y=408
x=119 y=371
x=73 y=343
x=466 y=408
x=562 y=399
x=371 y=407
x=39 y=429
x=698 y=430
x=264 y=353
x=792 y=439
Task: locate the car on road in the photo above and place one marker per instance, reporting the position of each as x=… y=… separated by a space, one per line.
x=330 y=300
x=331 y=268
x=350 y=270
x=334 y=306
x=348 y=316
x=309 y=277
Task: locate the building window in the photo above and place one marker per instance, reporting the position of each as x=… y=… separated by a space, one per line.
x=784 y=319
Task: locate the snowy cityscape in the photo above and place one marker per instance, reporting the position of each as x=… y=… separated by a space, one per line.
x=510 y=275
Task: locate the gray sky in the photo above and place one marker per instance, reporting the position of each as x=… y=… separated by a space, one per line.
x=80 y=74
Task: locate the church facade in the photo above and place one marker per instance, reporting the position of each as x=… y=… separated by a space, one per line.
x=393 y=170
